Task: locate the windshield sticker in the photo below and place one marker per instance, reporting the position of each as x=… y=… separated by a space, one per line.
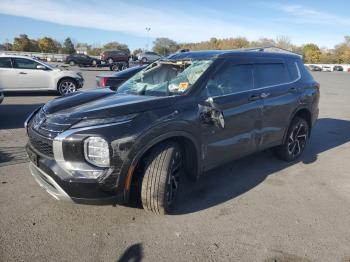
x=183 y=86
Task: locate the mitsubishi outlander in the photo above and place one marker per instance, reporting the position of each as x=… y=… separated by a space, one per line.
x=179 y=116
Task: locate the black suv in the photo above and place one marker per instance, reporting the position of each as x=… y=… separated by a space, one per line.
x=177 y=116
x=81 y=59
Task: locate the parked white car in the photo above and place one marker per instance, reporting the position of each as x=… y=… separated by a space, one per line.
x=22 y=73
x=326 y=69
x=148 y=57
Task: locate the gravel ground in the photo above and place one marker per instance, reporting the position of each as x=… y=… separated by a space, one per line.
x=254 y=209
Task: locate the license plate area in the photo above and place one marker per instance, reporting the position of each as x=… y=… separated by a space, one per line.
x=33 y=157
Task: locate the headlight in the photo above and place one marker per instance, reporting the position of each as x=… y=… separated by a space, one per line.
x=103 y=121
x=96 y=151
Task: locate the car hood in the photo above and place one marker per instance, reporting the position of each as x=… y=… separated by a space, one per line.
x=101 y=103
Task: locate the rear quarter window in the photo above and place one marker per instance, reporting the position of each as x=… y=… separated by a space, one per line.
x=304 y=72
x=270 y=74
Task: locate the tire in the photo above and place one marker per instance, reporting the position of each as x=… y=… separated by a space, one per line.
x=114 y=68
x=160 y=183
x=94 y=63
x=71 y=63
x=67 y=86
x=144 y=60
x=110 y=60
x=295 y=142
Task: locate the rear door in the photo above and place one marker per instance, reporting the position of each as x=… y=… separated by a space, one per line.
x=278 y=81
x=230 y=113
x=8 y=76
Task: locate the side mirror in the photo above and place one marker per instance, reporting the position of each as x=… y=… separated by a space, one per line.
x=41 y=67
x=210 y=114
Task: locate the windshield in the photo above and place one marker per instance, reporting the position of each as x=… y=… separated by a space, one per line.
x=165 y=77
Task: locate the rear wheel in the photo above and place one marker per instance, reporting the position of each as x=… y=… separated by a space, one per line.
x=67 y=86
x=144 y=60
x=94 y=63
x=71 y=63
x=160 y=183
x=295 y=141
x=110 y=60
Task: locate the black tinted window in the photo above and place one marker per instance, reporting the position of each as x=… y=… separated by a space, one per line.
x=25 y=63
x=271 y=74
x=5 y=62
x=231 y=79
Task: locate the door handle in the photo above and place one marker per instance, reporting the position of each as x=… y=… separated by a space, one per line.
x=293 y=90
x=22 y=73
x=254 y=97
x=264 y=95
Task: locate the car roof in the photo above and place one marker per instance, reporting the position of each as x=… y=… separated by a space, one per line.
x=16 y=56
x=248 y=52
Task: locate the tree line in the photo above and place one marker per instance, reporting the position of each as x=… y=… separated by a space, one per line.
x=312 y=53
x=50 y=45
x=165 y=46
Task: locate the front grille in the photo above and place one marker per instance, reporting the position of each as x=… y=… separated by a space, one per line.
x=40 y=143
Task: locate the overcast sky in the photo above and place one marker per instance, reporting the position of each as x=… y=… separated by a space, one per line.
x=99 y=21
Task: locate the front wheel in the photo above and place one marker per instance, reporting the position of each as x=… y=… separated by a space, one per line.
x=160 y=183
x=67 y=86
x=71 y=63
x=94 y=63
x=295 y=142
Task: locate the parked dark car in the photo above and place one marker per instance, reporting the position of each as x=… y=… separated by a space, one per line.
x=315 y=68
x=83 y=60
x=114 y=56
x=113 y=81
x=175 y=117
x=338 y=68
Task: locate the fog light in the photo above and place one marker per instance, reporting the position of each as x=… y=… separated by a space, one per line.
x=96 y=151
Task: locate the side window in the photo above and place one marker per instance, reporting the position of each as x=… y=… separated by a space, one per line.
x=294 y=70
x=271 y=74
x=232 y=78
x=5 y=62
x=23 y=63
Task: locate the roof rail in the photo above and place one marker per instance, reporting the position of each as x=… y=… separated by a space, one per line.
x=272 y=49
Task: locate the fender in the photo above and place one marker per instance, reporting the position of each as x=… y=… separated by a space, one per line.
x=292 y=117
x=128 y=168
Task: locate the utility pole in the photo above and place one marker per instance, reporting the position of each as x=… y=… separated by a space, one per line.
x=147 y=29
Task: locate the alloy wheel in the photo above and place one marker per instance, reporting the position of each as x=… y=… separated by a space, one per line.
x=297 y=140
x=67 y=87
x=174 y=178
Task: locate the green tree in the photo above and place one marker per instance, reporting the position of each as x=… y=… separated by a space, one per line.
x=311 y=53
x=47 y=45
x=165 y=46
x=34 y=45
x=68 y=47
x=116 y=46
x=21 y=43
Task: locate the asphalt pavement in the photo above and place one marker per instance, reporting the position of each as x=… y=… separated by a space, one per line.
x=254 y=209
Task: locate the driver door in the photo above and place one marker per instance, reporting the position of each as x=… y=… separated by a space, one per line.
x=230 y=113
x=28 y=76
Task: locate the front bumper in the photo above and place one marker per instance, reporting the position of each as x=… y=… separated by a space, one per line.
x=85 y=192
x=48 y=183
x=80 y=82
